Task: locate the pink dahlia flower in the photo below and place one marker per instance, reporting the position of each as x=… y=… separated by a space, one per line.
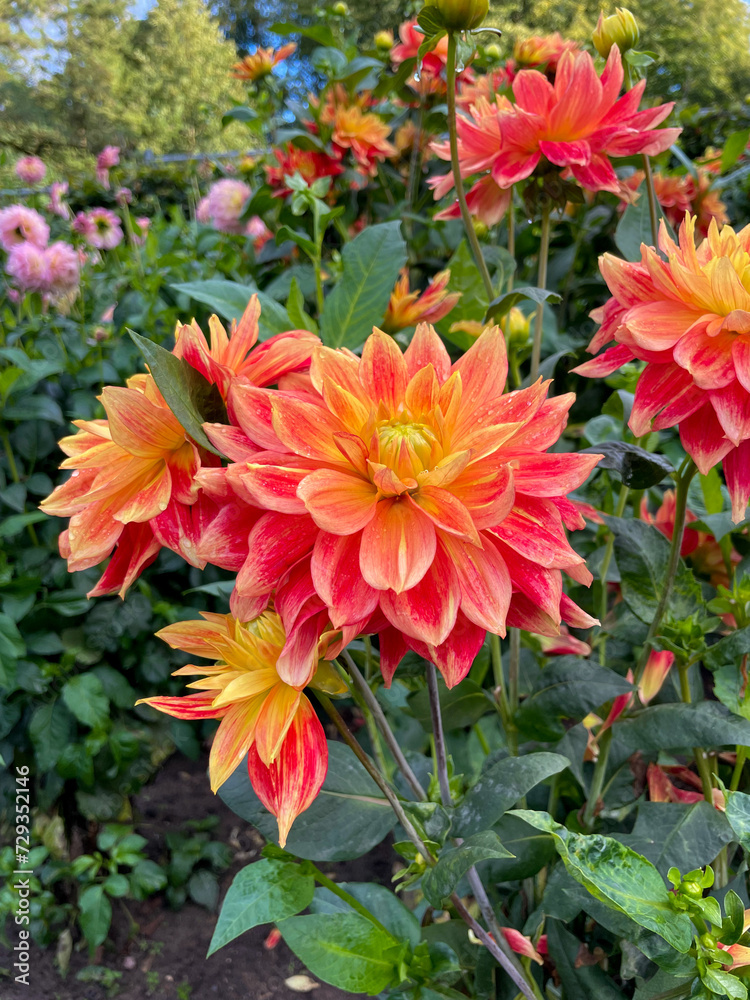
x=64 y=268
x=100 y=228
x=30 y=170
x=28 y=266
x=56 y=205
x=226 y=201
x=19 y=224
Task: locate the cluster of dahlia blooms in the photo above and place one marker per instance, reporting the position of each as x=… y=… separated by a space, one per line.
x=393 y=494
x=34 y=264
x=687 y=315
x=574 y=124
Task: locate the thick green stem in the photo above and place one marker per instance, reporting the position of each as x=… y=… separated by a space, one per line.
x=458 y=180
x=597 y=781
x=536 y=349
x=511 y=239
x=343 y=894
x=652 y=202
x=382 y=723
x=684 y=478
x=701 y=762
x=514 y=670
x=734 y=784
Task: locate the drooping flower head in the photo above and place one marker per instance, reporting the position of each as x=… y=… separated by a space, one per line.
x=108 y=158
x=28 y=267
x=407 y=308
x=263 y=711
x=56 y=205
x=30 y=170
x=261 y=62
x=226 y=202
x=100 y=228
x=688 y=318
x=135 y=474
x=19 y=224
x=417 y=497
x=309 y=163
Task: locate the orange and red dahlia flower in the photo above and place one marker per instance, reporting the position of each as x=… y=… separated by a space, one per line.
x=309 y=163
x=135 y=474
x=365 y=134
x=688 y=317
x=407 y=308
x=412 y=497
x=263 y=711
x=543 y=50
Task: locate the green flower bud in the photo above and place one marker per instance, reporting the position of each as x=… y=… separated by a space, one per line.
x=340 y=9
x=620 y=29
x=384 y=40
x=492 y=51
x=461 y=15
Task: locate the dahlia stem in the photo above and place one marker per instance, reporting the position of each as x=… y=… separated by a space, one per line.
x=597 y=781
x=382 y=723
x=501 y=692
x=439 y=737
x=342 y=894
x=536 y=350
x=511 y=238
x=376 y=776
x=500 y=952
x=700 y=758
x=652 y=202
x=458 y=180
x=739 y=764
x=514 y=669
x=684 y=477
x=606 y=560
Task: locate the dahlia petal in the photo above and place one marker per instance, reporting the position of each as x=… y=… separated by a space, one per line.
x=660 y=387
x=136 y=549
x=224 y=542
x=534 y=529
x=575 y=617
x=398 y=546
x=275 y=543
x=446 y=512
x=484 y=581
x=290 y=784
x=340 y=367
x=231 y=442
x=427 y=611
x=483 y=370
x=565 y=154
x=299 y=657
x=276 y=356
x=454 y=657
x=181 y=528
x=305 y=428
x=339 y=502
x=741 y=356
x=353 y=449
x=524 y=614
x=737 y=475
x=189 y=706
x=543 y=587
x=233 y=739
x=732 y=407
x=548 y=424
x=338 y=580
x=382 y=372
x=350 y=410
x=552 y=474
x=426 y=348
x=272 y=487
x=657 y=326
x=139 y=426
x=605 y=363
x=274 y=719
x=708 y=359
x=393 y=648
x=250 y=408
x=423 y=391
x=703 y=438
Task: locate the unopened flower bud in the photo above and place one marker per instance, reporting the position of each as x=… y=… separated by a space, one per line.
x=620 y=29
x=480 y=228
x=461 y=15
x=492 y=51
x=340 y=9
x=384 y=40
x=518 y=327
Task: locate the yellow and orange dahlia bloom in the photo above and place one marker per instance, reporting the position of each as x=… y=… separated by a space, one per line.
x=407 y=308
x=260 y=703
x=412 y=498
x=688 y=317
x=261 y=62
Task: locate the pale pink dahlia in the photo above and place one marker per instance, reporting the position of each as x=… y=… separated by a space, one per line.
x=19 y=224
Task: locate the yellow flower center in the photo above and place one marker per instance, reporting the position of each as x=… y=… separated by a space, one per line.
x=408 y=447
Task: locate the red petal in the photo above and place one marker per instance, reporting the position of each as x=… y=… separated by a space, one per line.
x=703 y=438
x=484 y=580
x=275 y=543
x=338 y=579
x=737 y=474
x=446 y=511
x=383 y=371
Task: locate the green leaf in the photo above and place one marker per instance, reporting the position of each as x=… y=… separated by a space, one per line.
x=724 y=984
x=503 y=304
x=735 y=145
x=239 y=114
x=671 y=833
x=381 y=902
x=35 y=408
x=116 y=885
x=95 y=915
x=188 y=394
x=634 y=227
x=15 y=524
x=738 y=815
x=348 y=817
x=147 y=878
x=500 y=786
x=295 y=307
x=51 y=729
x=579 y=982
x=302 y=240
x=345 y=950
x=727 y=650
x=635 y=467
x=371 y=265
x=642 y=554
x=262 y=893
x=618 y=877
x=568 y=688
x=85 y=697
x=674 y=726
x=229 y=299
x=439 y=882
x=203 y=888
x=531 y=850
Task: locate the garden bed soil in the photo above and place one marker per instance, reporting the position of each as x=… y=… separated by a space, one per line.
x=166 y=958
